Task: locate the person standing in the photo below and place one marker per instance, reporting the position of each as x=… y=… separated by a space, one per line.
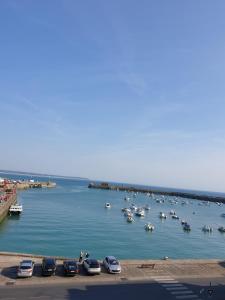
x=81 y=256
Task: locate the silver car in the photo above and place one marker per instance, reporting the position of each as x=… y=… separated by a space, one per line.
x=112 y=265
x=25 y=268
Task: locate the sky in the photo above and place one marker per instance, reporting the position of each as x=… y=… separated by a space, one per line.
x=124 y=90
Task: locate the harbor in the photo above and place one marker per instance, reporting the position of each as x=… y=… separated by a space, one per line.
x=60 y=222
x=132 y=189
x=8 y=194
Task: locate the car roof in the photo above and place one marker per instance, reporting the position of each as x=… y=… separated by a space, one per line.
x=49 y=259
x=26 y=263
x=91 y=260
x=111 y=257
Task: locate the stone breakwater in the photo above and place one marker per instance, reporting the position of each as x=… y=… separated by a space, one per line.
x=189 y=195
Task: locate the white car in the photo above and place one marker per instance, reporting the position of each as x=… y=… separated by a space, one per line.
x=92 y=266
x=112 y=265
x=25 y=268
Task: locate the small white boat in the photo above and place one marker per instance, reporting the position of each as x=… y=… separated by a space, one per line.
x=126 y=199
x=15 y=209
x=133 y=207
x=130 y=219
x=107 y=205
x=183 y=222
x=172 y=212
x=147 y=207
x=149 y=227
x=158 y=201
x=128 y=213
x=162 y=215
x=175 y=217
x=207 y=228
x=140 y=212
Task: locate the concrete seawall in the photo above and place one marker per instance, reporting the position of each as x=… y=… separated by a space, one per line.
x=106 y=186
x=4 y=206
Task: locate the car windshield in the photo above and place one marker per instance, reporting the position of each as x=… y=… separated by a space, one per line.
x=114 y=262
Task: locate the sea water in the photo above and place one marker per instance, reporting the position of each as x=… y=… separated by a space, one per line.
x=64 y=220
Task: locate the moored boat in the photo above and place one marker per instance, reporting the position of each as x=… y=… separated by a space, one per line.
x=221 y=229
x=162 y=215
x=107 y=205
x=149 y=227
x=207 y=228
x=140 y=212
x=130 y=219
x=187 y=227
x=15 y=209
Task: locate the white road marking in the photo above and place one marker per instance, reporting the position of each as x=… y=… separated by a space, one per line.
x=179 y=288
x=172 y=285
x=187 y=297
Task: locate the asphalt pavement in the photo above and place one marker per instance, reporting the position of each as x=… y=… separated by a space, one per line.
x=160 y=288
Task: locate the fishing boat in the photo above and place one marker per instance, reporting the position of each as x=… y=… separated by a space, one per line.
x=140 y=212
x=207 y=228
x=149 y=227
x=187 y=227
x=183 y=222
x=133 y=207
x=221 y=229
x=162 y=215
x=175 y=217
x=15 y=209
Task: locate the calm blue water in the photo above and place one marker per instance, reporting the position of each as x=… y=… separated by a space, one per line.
x=71 y=217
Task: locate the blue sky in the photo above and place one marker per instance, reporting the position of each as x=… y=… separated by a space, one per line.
x=122 y=90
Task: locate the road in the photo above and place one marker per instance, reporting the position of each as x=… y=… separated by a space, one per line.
x=160 y=288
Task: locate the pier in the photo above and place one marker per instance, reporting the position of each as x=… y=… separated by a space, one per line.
x=189 y=195
x=8 y=192
x=7 y=198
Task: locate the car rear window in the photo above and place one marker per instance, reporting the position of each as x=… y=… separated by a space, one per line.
x=25 y=267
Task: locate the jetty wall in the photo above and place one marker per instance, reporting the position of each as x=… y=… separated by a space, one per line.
x=5 y=205
x=189 y=195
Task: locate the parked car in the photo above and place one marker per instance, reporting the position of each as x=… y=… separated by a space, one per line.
x=48 y=266
x=70 y=267
x=112 y=264
x=25 y=268
x=92 y=266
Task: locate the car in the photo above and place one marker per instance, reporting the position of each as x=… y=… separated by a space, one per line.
x=92 y=266
x=48 y=266
x=112 y=265
x=25 y=268
x=70 y=267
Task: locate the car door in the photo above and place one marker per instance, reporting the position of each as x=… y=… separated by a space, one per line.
x=107 y=263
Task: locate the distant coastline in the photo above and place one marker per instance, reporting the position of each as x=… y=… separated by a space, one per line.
x=10 y=172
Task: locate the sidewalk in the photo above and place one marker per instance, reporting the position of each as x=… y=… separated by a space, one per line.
x=131 y=270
